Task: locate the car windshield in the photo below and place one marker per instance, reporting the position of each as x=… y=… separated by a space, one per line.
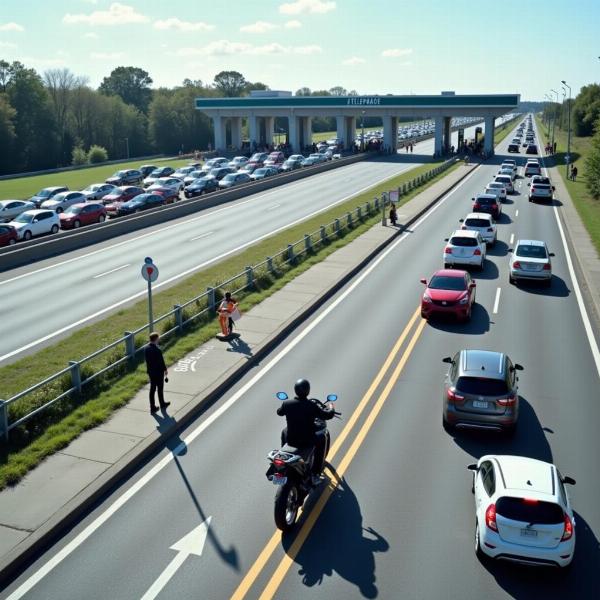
x=486 y=201
x=44 y=194
x=496 y=186
x=156 y=173
x=230 y=177
x=73 y=210
x=477 y=223
x=260 y=171
x=503 y=179
x=92 y=188
x=442 y=282
x=530 y=251
x=120 y=174
x=24 y=218
x=482 y=386
x=541 y=186
x=463 y=241
x=529 y=511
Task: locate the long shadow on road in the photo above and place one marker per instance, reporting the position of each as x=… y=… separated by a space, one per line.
x=340 y=544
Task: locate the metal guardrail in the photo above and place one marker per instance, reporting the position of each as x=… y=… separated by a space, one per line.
x=84 y=371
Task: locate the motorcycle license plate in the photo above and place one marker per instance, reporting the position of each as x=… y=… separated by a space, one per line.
x=279 y=480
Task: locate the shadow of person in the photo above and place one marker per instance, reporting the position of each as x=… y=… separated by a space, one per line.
x=529 y=439
x=340 y=544
x=236 y=344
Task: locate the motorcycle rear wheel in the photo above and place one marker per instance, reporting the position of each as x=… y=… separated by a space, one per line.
x=286 y=506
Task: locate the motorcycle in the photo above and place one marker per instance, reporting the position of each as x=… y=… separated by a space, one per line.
x=291 y=469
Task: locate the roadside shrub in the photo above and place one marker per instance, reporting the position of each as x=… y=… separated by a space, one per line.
x=97 y=154
x=592 y=165
x=79 y=156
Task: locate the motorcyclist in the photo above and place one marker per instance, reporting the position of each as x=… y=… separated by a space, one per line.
x=300 y=413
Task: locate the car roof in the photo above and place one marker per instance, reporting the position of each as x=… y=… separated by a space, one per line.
x=35 y=211
x=464 y=233
x=477 y=215
x=56 y=187
x=526 y=474
x=486 y=362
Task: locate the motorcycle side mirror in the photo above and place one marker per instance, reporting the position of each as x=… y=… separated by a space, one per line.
x=332 y=398
x=281 y=396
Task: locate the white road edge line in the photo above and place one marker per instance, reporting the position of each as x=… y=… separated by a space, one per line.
x=512 y=238
x=111 y=271
x=497 y=301
x=199 y=237
x=81 y=537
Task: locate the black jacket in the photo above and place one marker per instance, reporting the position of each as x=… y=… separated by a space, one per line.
x=300 y=416
x=155 y=363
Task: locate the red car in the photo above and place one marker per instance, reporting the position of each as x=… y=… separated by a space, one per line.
x=8 y=235
x=169 y=194
x=449 y=291
x=122 y=194
x=258 y=159
x=84 y=213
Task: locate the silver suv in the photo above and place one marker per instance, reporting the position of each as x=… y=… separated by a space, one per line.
x=481 y=392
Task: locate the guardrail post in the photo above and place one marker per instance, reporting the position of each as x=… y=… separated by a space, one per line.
x=290 y=253
x=376 y=203
x=359 y=213
x=404 y=188
x=323 y=232
x=368 y=207
x=383 y=202
x=337 y=227
x=130 y=344
x=307 y=243
x=349 y=219
x=4 y=419
x=75 y=375
x=249 y=276
x=178 y=316
x=210 y=298
x=270 y=264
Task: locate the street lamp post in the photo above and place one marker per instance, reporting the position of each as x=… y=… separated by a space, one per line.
x=568 y=157
x=127 y=144
x=362 y=124
x=555 y=118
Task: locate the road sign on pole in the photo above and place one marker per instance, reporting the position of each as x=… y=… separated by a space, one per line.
x=150 y=274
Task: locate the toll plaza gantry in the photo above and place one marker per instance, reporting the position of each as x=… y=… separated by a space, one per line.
x=262 y=107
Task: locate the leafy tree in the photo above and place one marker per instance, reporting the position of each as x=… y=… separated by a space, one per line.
x=97 y=154
x=303 y=91
x=250 y=87
x=132 y=84
x=586 y=109
x=338 y=90
x=7 y=134
x=79 y=156
x=230 y=84
x=592 y=165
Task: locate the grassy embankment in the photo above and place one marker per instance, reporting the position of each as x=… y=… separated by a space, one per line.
x=587 y=207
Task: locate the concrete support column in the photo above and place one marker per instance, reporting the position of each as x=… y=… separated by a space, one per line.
x=269 y=128
x=306 y=131
x=350 y=132
x=488 y=142
x=341 y=129
x=293 y=129
x=439 y=136
x=390 y=133
x=236 y=132
x=219 y=131
x=253 y=133
x=447 y=134
x=395 y=134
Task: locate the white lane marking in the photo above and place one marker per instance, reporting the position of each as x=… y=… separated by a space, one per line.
x=273 y=207
x=497 y=301
x=111 y=271
x=199 y=237
x=512 y=238
x=81 y=537
x=517 y=213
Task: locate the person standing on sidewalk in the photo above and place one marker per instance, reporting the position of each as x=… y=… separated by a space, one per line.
x=573 y=172
x=393 y=215
x=157 y=372
x=225 y=310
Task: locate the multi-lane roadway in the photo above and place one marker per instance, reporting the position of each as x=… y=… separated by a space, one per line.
x=400 y=523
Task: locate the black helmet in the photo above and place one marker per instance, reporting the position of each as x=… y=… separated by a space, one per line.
x=302 y=388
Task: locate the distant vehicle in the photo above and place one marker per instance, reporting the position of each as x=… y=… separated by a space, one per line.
x=274 y=159
x=97 y=191
x=62 y=201
x=449 y=291
x=514 y=148
x=258 y=159
x=532 y=169
x=481 y=392
x=484 y=224
x=263 y=172
x=200 y=186
x=233 y=179
x=523 y=512
x=157 y=174
x=507 y=181
x=196 y=174
x=9 y=209
x=250 y=168
x=530 y=260
x=141 y=202
x=122 y=194
x=82 y=214
x=531 y=149
x=313 y=159
x=213 y=163
x=293 y=162
x=540 y=191
x=145 y=170
x=464 y=248
x=182 y=172
x=8 y=235
x=125 y=177
x=47 y=193
x=174 y=183
x=507 y=171
x=487 y=203
x=497 y=189
x=169 y=194
x=237 y=162
x=219 y=172
x=36 y=222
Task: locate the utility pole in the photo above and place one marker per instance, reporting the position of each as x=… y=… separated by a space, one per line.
x=568 y=157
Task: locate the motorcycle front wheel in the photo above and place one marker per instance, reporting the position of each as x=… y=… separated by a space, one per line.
x=286 y=506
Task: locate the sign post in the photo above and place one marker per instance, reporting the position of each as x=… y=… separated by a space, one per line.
x=150 y=274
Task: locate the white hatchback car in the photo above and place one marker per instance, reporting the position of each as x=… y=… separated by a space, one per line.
x=496 y=188
x=36 y=222
x=483 y=223
x=464 y=248
x=507 y=181
x=522 y=511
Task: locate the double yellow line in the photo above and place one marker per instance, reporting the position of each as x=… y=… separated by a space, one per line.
x=313 y=515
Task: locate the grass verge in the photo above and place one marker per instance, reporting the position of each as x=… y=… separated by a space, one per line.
x=587 y=207
x=55 y=428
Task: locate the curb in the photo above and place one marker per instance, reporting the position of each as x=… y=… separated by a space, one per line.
x=14 y=561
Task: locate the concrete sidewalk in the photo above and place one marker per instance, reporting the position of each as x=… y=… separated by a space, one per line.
x=65 y=485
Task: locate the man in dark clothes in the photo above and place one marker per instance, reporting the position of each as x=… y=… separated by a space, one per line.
x=157 y=372
x=300 y=414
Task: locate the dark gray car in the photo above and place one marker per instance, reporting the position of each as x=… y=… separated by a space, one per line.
x=481 y=392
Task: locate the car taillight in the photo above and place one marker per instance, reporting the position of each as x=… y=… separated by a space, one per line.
x=509 y=401
x=490 y=517
x=547 y=267
x=494 y=206
x=477 y=252
x=568 y=531
x=464 y=227
x=516 y=265
x=476 y=206
x=532 y=190
x=454 y=397
x=447 y=250
x=278 y=462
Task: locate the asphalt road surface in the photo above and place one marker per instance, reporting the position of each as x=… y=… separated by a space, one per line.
x=79 y=286
x=400 y=523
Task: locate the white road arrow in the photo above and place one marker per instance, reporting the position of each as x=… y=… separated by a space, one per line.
x=192 y=543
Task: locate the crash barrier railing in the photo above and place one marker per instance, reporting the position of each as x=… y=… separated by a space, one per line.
x=123 y=352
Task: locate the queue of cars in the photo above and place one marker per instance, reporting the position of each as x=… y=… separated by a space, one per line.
x=523 y=512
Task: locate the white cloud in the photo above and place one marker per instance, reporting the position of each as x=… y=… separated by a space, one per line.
x=184 y=26
x=306 y=6
x=293 y=24
x=307 y=49
x=258 y=27
x=117 y=14
x=106 y=55
x=7 y=45
x=11 y=27
x=353 y=61
x=227 y=48
x=396 y=52
x=90 y=35
x=42 y=63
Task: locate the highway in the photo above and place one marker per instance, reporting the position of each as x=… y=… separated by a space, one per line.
x=400 y=524
x=79 y=286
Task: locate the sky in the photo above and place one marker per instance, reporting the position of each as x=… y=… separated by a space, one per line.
x=372 y=46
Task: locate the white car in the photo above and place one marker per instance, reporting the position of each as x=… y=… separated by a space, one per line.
x=97 y=191
x=237 y=162
x=63 y=200
x=464 y=248
x=9 y=209
x=510 y=164
x=507 y=170
x=507 y=181
x=36 y=222
x=483 y=223
x=182 y=172
x=530 y=260
x=497 y=189
x=522 y=511
x=532 y=168
x=169 y=182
